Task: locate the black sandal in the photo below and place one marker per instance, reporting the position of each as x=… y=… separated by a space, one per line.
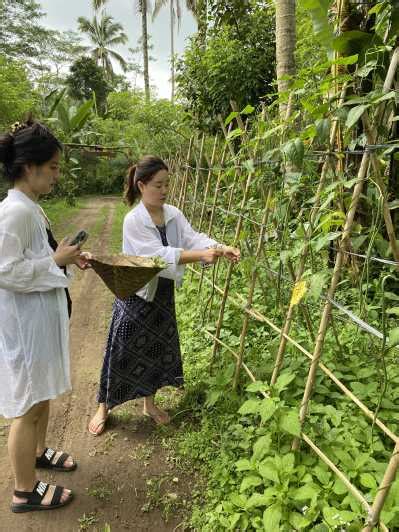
x=35 y=497
x=45 y=461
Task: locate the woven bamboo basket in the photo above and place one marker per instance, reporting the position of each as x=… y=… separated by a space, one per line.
x=125 y=274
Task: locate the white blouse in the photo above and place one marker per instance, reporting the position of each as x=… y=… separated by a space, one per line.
x=141 y=237
x=34 y=323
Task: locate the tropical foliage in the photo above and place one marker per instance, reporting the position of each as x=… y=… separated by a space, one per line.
x=238 y=62
x=239 y=440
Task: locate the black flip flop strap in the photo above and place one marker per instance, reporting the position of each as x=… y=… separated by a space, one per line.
x=57 y=495
x=36 y=496
x=61 y=460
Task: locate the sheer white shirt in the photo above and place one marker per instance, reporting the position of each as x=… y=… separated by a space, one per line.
x=34 y=323
x=141 y=237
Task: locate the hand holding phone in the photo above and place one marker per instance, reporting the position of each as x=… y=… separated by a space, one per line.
x=80 y=238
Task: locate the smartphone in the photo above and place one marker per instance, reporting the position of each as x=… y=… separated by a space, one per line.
x=80 y=238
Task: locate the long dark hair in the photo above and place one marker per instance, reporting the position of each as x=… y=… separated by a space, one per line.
x=143 y=171
x=29 y=142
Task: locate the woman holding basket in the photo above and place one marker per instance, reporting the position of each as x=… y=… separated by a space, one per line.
x=143 y=348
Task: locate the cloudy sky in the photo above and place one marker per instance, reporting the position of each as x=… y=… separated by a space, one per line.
x=62 y=15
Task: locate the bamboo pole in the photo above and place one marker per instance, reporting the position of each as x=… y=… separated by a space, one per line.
x=231 y=264
x=174 y=173
x=177 y=165
x=217 y=186
x=391 y=470
x=383 y=490
x=214 y=201
x=236 y=236
x=301 y=268
x=208 y=182
x=185 y=175
x=225 y=133
x=197 y=177
x=371 y=139
x=333 y=285
x=252 y=284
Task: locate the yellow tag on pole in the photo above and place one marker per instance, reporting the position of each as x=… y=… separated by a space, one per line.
x=298 y=292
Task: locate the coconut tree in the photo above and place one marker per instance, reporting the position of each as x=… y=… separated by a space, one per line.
x=175 y=13
x=143 y=7
x=104 y=34
x=285 y=46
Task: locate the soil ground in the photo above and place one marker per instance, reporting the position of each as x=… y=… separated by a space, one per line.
x=123 y=475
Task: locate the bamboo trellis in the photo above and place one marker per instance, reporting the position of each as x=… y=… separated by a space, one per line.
x=217 y=202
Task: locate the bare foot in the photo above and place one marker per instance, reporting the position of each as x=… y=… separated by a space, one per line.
x=97 y=423
x=47 y=498
x=159 y=416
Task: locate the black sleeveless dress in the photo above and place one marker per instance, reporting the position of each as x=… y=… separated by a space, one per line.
x=54 y=244
x=143 y=348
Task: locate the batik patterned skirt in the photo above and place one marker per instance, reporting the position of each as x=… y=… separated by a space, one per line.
x=143 y=348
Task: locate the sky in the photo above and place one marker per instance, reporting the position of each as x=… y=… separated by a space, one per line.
x=63 y=15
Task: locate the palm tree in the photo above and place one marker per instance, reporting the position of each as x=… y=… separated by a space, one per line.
x=175 y=12
x=143 y=6
x=104 y=34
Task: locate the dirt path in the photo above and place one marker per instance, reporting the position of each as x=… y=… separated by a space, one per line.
x=117 y=471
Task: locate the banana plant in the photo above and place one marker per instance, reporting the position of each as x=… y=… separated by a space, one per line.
x=71 y=119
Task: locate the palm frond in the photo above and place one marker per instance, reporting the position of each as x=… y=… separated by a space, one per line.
x=117 y=40
x=178 y=13
x=118 y=58
x=85 y=25
x=194 y=7
x=159 y=4
x=98 y=4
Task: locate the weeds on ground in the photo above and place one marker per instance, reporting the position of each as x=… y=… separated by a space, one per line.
x=87 y=521
x=142 y=453
x=100 y=492
x=162 y=493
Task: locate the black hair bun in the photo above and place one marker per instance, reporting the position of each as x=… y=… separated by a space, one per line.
x=6 y=148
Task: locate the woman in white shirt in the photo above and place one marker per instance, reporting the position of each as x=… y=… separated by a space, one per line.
x=34 y=351
x=143 y=349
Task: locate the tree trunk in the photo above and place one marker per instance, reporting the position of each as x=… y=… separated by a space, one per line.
x=285 y=47
x=172 y=48
x=143 y=10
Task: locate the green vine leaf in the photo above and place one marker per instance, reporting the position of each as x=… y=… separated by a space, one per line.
x=248 y=110
x=231 y=117
x=355 y=114
x=394 y=337
x=272 y=517
x=262 y=447
x=290 y=423
x=250 y=481
x=251 y=406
